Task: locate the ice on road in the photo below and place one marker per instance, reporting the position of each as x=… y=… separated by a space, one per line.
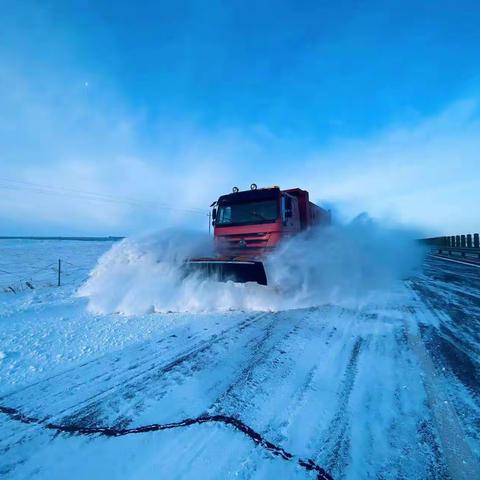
x=388 y=389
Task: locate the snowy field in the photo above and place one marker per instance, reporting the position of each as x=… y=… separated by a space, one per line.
x=387 y=388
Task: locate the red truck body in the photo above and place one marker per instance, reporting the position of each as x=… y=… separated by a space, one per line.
x=249 y=224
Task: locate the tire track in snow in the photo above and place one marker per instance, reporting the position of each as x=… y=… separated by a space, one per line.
x=428 y=445
x=204 y=359
x=453 y=342
x=460 y=461
x=303 y=375
x=125 y=379
x=268 y=356
x=454 y=317
x=271 y=364
x=337 y=444
x=156 y=385
x=451 y=273
x=271 y=358
x=444 y=350
x=140 y=362
x=307 y=464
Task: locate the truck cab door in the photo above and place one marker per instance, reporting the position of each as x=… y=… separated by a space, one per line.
x=290 y=214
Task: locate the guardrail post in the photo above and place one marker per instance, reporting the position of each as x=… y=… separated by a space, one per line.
x=463 y=240
x=469 y=240
x=452 y=241
x=457 y=240
x=476 y=242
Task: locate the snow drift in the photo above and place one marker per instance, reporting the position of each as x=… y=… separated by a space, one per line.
x=339 y=264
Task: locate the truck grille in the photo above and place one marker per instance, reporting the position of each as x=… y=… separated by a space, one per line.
x=252 y=244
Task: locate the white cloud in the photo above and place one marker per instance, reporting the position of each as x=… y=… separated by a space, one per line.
x=78 y=141
x=422 y=174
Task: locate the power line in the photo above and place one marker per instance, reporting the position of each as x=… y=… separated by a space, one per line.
x=43 y=187
x=19 y=185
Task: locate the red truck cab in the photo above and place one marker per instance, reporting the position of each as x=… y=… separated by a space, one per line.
x=251 y=223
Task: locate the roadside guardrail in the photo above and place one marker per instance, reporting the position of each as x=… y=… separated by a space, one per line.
x=466 y=246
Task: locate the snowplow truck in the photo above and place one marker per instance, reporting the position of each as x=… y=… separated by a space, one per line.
x=250 y=224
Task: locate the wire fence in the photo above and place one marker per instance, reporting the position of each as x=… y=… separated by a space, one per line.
x=55 y=274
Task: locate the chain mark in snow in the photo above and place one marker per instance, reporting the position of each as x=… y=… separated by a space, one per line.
x=308 y=464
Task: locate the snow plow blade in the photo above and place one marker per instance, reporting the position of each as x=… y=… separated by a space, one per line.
x=239 y=271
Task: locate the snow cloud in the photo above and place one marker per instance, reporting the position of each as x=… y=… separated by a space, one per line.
x=344 y=264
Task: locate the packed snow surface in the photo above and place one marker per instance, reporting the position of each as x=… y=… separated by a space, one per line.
x=377 y=377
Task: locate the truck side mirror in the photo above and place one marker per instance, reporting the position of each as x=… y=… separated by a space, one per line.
x=214 y=216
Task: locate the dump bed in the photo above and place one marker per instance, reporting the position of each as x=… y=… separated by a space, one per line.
x=310 y=214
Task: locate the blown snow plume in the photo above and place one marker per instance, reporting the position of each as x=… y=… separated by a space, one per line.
x=341 y=264
x=344 y=264
x=146 y=274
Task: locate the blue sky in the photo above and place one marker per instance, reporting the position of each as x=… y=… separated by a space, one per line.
x=114 y=112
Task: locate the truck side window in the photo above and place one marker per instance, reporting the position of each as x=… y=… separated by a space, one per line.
x=225 y=215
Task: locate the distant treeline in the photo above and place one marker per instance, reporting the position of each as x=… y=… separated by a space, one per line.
x=86 y=239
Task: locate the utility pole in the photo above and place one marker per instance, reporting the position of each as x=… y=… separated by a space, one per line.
x=209 y=215
x=59 y=271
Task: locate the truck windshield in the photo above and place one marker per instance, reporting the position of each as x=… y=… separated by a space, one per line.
x=247 y=213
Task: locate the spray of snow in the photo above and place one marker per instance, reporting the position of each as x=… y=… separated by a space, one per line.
x=340 y=265
x=344 y=263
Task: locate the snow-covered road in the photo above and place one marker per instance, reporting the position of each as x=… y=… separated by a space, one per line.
x=390 y=389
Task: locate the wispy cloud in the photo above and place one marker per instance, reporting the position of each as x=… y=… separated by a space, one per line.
x=422 y=173
x=74 y=139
